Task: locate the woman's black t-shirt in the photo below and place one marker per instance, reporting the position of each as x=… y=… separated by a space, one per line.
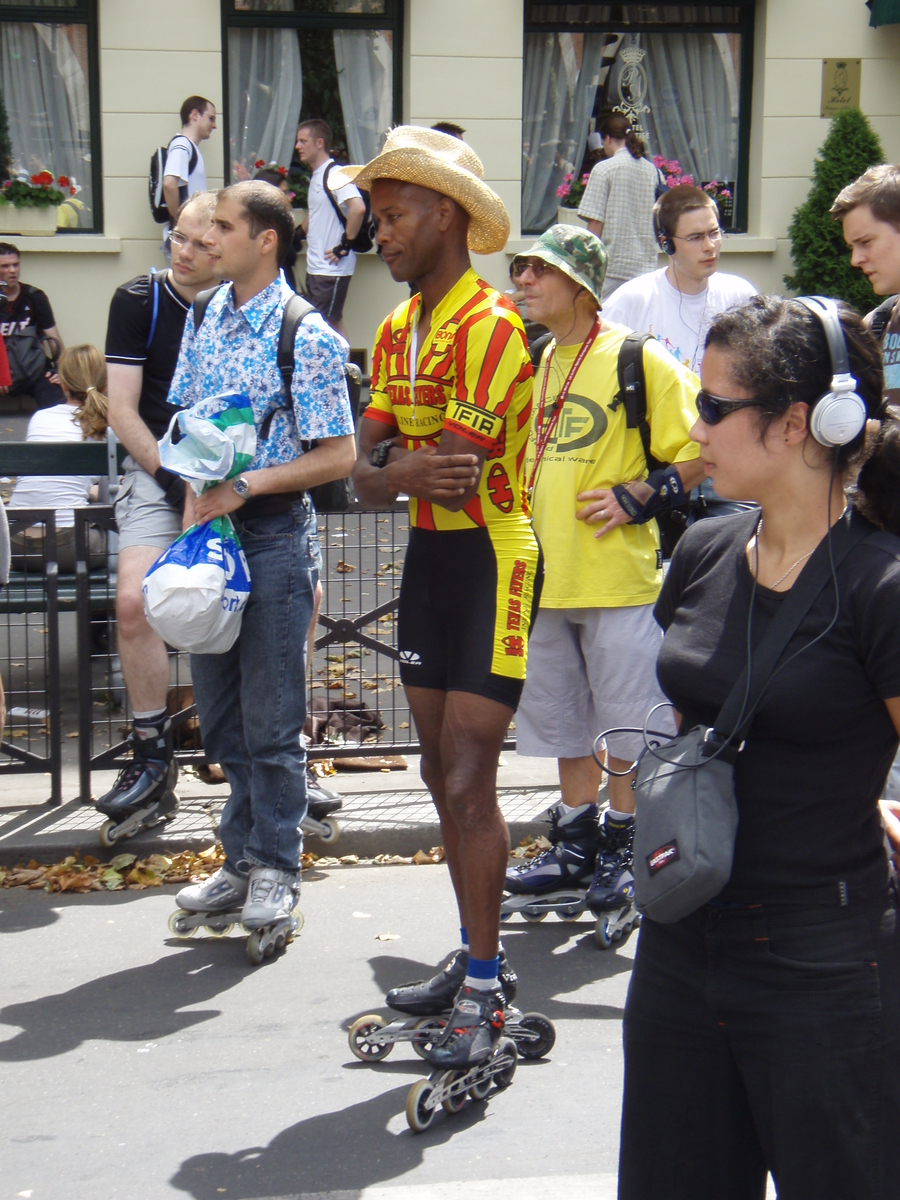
x=821 y=744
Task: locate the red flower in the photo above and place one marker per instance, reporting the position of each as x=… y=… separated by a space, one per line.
x=45 y=178
x=260 y=162
x=72 y=191
x=64 y=181
x=282 y=171
x=35 y=179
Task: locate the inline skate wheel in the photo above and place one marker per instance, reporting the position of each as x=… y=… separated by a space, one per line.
x=504 y=916
x=602 y=935
x=479 y=1091
x=533 y=917
x=107 y=834
x=360 y=1030
x=428 y=1026
x=545 y=1040
x=255 y=951
x=505 y=1077
x=454 y=1103
x=417 y=1115
x=218 y=930
x=178 y=924
x=330 y=831
x=567 y=915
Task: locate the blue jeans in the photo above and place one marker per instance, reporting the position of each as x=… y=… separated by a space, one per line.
x=252 y=700
x=764 y=1038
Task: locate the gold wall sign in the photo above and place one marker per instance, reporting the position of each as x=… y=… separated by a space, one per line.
x=840 y=84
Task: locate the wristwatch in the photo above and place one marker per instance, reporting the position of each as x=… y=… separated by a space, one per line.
x=241 y=486
x=379 y=455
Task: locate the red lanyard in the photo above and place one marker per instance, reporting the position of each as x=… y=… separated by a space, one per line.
x=542 y=438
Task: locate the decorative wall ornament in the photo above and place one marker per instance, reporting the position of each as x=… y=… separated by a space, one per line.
x=632 y=85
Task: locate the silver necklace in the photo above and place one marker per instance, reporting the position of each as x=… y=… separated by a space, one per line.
x=782 y=578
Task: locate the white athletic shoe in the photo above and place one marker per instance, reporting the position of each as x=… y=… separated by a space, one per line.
x=219 y=893
x=273 y=895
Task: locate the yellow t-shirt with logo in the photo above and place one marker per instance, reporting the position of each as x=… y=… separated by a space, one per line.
x=590 y=448
x=473 y=377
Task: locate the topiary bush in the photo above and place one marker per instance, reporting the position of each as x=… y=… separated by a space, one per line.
x=6 y=154
x=821 y=256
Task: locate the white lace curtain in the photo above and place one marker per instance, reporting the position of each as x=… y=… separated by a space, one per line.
x=44 y=77
x=364 y=60
x=265 y=95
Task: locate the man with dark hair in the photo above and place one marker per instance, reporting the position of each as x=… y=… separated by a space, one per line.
x=26 y=318
x=335 y=216
x=448 y=426
x=251 y=700
x=185 y=171
x=450 y=127
x=143 y=337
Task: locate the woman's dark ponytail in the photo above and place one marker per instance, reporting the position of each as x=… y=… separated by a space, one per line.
x=618 y=128
x=877 y=491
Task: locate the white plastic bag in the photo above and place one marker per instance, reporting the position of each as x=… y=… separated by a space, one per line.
x=196 y=591
x=214 y=440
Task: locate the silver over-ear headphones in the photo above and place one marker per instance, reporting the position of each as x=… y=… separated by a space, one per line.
x=838 y=416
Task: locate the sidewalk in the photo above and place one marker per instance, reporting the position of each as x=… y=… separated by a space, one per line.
x=385 y=812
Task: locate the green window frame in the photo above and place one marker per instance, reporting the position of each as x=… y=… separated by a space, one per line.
x=617 y=25
x=79 y=149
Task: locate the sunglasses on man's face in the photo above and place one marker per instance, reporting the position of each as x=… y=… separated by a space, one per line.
x=713 y=409
x=537 y=266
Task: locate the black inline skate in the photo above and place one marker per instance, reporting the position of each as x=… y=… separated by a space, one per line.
x=611 y=893
x=144 y=793
x=318 y=821
x=556 y=881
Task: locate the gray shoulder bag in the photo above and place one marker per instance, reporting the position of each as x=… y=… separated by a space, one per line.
x=686 y=814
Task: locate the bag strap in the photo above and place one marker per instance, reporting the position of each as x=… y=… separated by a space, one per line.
x=295 y=310
x=330 y=194
x=845 y=535
x=633 y=391
x=154 y=313
x=880 y=316
x=201 y=304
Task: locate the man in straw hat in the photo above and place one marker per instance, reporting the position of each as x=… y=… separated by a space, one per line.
x=448 y=426
x=592 y=664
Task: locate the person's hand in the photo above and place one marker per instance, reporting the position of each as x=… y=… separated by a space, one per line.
x=434 y=477
x=890 y=813
x=3 y=390
x=53 y=377
x=601 y=505
x=216 y=502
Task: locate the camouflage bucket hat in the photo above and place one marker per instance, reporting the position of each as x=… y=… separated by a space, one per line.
x=577 y=252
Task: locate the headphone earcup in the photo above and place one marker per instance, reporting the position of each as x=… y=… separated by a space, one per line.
x=668 y=246
x=837 y=418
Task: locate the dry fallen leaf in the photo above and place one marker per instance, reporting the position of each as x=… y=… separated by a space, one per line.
x=387 y=937
x=344 y=567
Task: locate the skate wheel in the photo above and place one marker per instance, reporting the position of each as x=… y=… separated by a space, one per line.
x=107 y=834
x=178 y=924
x=330 y=831
x=567 y=915
x=359 y=1031
x=255 y=951
x=505 y=1077
x=602 y=935
x=218 y=930
x=543 y=1041
x=533 y=917
x=454 y=1103
x=479 y=1091
x=417 y=1115
x=425 y=1030
x=504 y=916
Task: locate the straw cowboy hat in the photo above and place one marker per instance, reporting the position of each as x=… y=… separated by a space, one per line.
x=446 y=165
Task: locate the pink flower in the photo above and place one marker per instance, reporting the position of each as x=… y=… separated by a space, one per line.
x=563 y=190
x=725 y=192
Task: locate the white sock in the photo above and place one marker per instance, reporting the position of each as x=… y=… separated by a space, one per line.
x=615 y=815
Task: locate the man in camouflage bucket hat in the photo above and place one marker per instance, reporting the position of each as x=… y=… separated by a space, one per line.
x=593 y=649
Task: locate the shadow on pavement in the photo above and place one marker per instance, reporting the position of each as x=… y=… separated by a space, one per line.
x=329 y=1153
x=22 y=909
x=136 y=1005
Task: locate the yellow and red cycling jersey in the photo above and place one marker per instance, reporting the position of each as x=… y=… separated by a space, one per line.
x=473 y=377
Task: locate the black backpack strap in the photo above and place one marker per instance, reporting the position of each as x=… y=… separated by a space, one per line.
x=880 y=316
x=201 y=304
x=155 y=286
x=330 y=194
x=633 y=391
x=295 y=310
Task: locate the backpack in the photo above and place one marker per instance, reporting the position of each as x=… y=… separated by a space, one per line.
x=28 y=360
x=633 y=394
x=158 y=205
x=365 y=239
x=333 y=496
x=879 y=317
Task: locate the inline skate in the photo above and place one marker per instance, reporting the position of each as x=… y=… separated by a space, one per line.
x=557 y=880
x=610 y=896
x=264 y=903
x=144 y=793
x=318 y=821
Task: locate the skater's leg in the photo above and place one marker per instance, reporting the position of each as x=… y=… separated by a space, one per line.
x=145 y=661
x=579 y=780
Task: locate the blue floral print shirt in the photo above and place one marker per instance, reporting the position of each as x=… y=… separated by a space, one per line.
x=235 y=350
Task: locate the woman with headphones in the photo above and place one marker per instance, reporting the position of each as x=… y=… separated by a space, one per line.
x=762 y=1032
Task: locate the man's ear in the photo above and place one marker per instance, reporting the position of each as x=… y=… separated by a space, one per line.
x=268 y=241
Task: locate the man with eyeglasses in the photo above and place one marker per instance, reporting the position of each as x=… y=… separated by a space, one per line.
x=143 y=337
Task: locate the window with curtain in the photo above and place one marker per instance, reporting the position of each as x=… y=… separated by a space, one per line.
x=49 y=81
x=290 y=60
x=681 y=74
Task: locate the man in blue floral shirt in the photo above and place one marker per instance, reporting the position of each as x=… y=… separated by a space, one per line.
x=252 y=699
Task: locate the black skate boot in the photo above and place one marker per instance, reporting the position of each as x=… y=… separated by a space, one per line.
x=144 y=793
x=612 y=887
x=430 y=997
x=322 y=801
x=571 y=860
x=471 y=1033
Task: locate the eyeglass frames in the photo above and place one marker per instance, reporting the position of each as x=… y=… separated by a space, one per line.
x=521 y=265
x=713 y=409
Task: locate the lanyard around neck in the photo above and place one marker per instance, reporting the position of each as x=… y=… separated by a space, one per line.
x=542 y=435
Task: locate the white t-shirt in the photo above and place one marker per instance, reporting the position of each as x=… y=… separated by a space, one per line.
x=678 y=321
x=178 y=161
x=325 y=229
x=53 y=491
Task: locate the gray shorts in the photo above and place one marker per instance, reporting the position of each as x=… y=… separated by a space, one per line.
x=590 y=669
x=328 y=293
x=143 y=515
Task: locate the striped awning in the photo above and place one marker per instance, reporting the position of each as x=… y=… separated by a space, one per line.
x=884 y=12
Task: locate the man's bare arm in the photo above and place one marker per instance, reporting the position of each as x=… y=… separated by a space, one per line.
x=124 y=394
x=447 y=474
x=356 y=211
x=172 y=195
x=601 y=504
x=596 y=227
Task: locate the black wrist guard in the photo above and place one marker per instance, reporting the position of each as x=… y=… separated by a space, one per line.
x=173 y=486
x=668 y=492
x=343 y=248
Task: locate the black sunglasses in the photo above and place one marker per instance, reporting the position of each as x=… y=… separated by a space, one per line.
x=521 y=265
x=713 y=409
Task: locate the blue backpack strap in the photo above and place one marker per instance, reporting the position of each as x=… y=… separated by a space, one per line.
x=154 y=312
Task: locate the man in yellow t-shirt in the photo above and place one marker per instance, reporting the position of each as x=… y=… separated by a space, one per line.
x=448 y=426
x=592 y=661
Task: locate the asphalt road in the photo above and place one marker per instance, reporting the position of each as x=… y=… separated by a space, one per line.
x=138 y=1065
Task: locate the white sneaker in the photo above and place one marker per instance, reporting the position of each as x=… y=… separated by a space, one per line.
x=273 y=895
x=219 y=893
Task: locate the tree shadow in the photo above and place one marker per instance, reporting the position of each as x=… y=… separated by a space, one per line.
x=333 y=1153
x=139 y=1004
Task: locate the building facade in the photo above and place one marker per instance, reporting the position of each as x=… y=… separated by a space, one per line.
x=734 y=92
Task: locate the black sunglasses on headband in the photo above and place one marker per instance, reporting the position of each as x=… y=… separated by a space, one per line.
x=713 y=409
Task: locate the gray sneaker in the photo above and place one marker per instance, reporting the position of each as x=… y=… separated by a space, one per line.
x=273 y=896
x=220 y=893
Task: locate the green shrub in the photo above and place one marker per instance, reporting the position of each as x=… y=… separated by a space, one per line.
x=6 y=154
x=821 y=256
